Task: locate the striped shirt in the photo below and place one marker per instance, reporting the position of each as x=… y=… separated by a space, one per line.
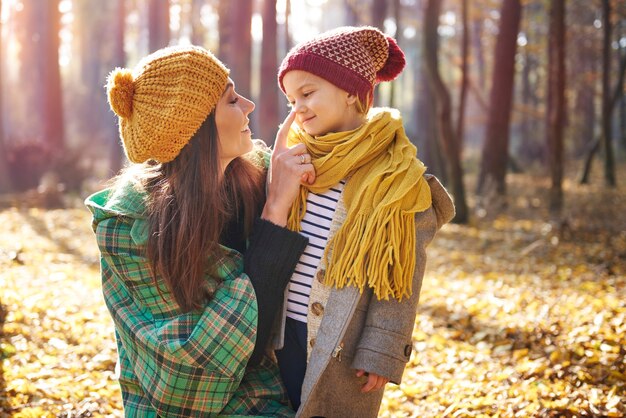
x=320 y=209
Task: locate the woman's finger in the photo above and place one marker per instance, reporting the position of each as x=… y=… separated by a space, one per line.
x=296 y=149
x=280 y=143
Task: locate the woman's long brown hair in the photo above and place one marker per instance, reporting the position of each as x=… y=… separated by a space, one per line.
x=189 y=203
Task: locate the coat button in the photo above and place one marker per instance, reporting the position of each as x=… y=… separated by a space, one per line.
x=312 y=342
x=320 y=275
x=407 y=350
x=317 y=308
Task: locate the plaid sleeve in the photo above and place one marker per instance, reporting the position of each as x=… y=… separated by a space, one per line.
x=184 y=364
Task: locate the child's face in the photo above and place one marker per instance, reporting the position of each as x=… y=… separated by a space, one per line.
x=321 y=107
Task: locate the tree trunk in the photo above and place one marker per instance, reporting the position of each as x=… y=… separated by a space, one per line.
x=224 y=29
x=556 y=101
x=585 y=102
x=622 y=119
x=479 y=53
x=5 y=181
x=465 y=42
x=622 y=98
x=397 y=8
x=378 y=14
x=352 y=19
x=609 y=163
x=443 y=103
x=53 y=128
x=158 y=24
x=235 y=21
x=593 y=148
x=287 y=34
x=527 y=93
x=608 y=103
x=496 y=145
x=116 y=158
x=268 y=113
x=427 y=135
x=198 y=30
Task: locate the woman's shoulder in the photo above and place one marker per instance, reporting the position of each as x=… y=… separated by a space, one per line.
x=124 y=198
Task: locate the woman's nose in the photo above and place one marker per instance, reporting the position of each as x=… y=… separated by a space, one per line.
x=249 y=105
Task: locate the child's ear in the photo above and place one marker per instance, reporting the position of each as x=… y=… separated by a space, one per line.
x=351 y=99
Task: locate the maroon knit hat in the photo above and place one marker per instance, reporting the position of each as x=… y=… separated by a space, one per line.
x=354 y=59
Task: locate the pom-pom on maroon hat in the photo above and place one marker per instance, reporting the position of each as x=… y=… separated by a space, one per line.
x=354 y=59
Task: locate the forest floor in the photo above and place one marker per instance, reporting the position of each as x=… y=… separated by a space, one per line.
x=521 y=314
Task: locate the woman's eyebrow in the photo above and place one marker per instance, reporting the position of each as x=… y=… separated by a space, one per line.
x=228 y=86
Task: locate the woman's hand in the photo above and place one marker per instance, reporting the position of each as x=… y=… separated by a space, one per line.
x=290 y=168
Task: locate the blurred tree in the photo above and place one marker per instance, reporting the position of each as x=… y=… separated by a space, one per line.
x=378 y=13
x=582 y=69
x=397 y=7
x=443 y=104
x=117 y=157
x=477 y=35
x=622 y=99
x=42 y=141
x=287 y=35
x=530 y=102
x=607 y=103
x=609 y=100
x=158 y=24
x=352 y=17
x=5 y=181
x=235 y=22
x=224 y=27
x=99 y=34
x=268 y=112
x=556 y=101
x=465 y=42
x=495 y=148
x=54 y=130
x=427 y=135
x=528 y=122
x=198 y=31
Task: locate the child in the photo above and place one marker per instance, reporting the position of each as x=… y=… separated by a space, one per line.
x=351 y=303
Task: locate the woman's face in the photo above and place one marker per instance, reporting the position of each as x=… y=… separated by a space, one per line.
x=231 y=119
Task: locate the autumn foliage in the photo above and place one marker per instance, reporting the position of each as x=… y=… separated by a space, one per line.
x=521 y=315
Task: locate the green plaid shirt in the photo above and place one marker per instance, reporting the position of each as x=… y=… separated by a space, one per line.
x=175 y=364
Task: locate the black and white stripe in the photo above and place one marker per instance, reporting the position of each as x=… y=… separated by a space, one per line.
x=320 y=209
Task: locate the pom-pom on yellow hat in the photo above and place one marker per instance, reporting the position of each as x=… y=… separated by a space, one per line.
x=162 y=102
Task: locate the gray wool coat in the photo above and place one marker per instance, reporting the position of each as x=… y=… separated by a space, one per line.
x=349 y=330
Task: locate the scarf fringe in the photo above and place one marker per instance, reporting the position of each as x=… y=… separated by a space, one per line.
x=378 y=254
x=375 y=246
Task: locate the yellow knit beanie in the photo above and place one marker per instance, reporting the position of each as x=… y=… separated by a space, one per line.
x=162 y=102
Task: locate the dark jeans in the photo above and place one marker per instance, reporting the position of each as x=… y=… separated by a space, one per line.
x=292 y=360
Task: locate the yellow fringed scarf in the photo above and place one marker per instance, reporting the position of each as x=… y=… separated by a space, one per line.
x=385 y=188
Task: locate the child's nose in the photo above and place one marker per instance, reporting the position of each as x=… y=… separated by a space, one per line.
x=299 y=106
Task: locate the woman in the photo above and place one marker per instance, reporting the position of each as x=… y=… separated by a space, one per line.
x=190 y=274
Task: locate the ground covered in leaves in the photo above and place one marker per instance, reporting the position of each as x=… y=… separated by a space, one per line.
x=521 y=314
